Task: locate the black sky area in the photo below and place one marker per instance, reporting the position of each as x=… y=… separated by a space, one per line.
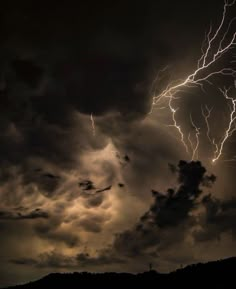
x=74 y=196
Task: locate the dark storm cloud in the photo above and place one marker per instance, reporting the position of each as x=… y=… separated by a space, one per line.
x=54 y=77
x=60 y=63
x=17 y=215
x=172 y=208
x=171 y=215
x=168 y=211
x=58 y=60
x=40 y=122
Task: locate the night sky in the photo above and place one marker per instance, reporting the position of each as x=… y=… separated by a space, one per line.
x=93 y=176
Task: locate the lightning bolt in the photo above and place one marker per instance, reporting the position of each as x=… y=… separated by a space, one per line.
x=92 y=124
x=191 y=143
x=214 y=47
x=197 y=133
x=230 y=129
x=206 y=115
x=178 y=127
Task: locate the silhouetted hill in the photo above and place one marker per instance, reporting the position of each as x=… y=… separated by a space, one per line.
x=217 y=274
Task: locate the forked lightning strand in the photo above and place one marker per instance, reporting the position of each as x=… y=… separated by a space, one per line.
x=231 y=126
x=214 y=47
x=197 y=133
x=206 y=115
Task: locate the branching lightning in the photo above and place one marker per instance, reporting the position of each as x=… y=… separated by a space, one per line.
x=231 y=127
x=206 y=115
x=214 y=47
x=197 y=133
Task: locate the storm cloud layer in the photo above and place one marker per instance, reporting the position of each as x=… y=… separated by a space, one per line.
x=187 y=215
x=78 y=195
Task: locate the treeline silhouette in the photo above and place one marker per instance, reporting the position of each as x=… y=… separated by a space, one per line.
x=217 y=273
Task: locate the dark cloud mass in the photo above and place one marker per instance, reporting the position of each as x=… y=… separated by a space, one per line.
x=80 y=152
x=175 y=209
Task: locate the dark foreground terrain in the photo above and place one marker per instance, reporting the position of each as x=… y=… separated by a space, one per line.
x=213 y=274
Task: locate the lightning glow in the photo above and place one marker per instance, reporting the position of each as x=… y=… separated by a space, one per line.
x=214 y=47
